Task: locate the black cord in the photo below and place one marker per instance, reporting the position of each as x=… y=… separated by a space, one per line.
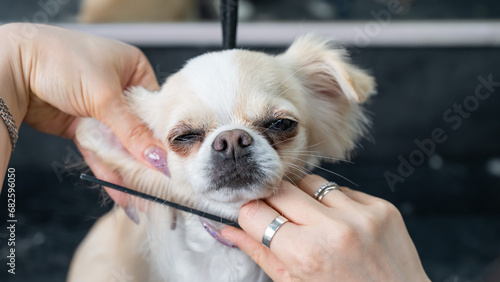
x=229 y=19
x=159 y=200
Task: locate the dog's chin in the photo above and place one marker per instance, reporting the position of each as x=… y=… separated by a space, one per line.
x=226 y=200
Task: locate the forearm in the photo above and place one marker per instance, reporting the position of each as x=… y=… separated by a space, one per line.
x=14 y=87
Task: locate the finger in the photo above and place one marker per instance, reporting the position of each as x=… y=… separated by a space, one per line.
x=359 y=196
x=256 y=216
x=294 y=204
x=135 y=136
x=258 y=253
x=311 y=183
x=335 y=198
x=144 y=74
x=102 y=172
x=130 y=130
x=49 y=119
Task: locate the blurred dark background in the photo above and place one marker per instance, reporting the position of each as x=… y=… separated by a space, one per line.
x=449 y=199
x=284 y=10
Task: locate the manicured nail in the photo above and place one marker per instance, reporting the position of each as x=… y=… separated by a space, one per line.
x=158 y=158
x=215 y=233
x=131 y=212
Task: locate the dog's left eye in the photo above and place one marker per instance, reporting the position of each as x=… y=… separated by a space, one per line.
x=282 y=125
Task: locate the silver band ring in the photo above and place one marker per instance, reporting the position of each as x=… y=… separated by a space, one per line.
x=271 y=230
x=325 y=189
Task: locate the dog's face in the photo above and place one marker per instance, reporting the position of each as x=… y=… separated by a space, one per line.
x=237 y=122
x=235 y=126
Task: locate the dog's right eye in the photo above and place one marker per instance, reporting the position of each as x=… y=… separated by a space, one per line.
x=188 y=138
x=183 y=141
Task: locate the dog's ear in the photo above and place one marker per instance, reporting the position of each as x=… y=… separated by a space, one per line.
x=326 y=70
x=333 y=90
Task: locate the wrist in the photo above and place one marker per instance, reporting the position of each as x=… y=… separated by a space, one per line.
x=15 y=68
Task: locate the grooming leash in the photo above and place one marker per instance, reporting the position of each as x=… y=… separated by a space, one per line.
x=229 y=21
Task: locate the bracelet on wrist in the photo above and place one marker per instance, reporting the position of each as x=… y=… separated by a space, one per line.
x=9 y=122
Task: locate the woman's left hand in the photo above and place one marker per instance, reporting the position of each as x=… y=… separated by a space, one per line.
x=59 y=75
x=348 y=236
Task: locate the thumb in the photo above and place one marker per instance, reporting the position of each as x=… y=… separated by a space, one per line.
x=258 y=253
x=135 y=135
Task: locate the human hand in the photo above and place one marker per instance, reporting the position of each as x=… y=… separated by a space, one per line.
x=348 y=236
x=63 y=75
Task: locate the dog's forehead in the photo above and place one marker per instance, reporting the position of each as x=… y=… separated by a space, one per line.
x=213 y=78
x=233 y=82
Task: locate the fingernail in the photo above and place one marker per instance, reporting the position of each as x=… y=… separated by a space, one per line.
x=216 y=234
x=131 y=212
x=157 y=158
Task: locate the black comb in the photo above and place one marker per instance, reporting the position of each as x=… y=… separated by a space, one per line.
x=159 y=200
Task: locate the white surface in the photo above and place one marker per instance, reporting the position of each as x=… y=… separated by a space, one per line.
x=358 y=34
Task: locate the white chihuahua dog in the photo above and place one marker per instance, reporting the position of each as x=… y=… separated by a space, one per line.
x=235 y=124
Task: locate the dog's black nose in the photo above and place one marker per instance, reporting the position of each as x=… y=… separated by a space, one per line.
x=233 y=143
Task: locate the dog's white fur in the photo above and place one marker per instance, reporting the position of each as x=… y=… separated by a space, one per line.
x=312 y=83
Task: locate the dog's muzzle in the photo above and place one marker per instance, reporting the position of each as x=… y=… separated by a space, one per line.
x=233 y=164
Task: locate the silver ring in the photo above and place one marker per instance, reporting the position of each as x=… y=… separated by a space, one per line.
x=271 y=230
x=325 y=189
